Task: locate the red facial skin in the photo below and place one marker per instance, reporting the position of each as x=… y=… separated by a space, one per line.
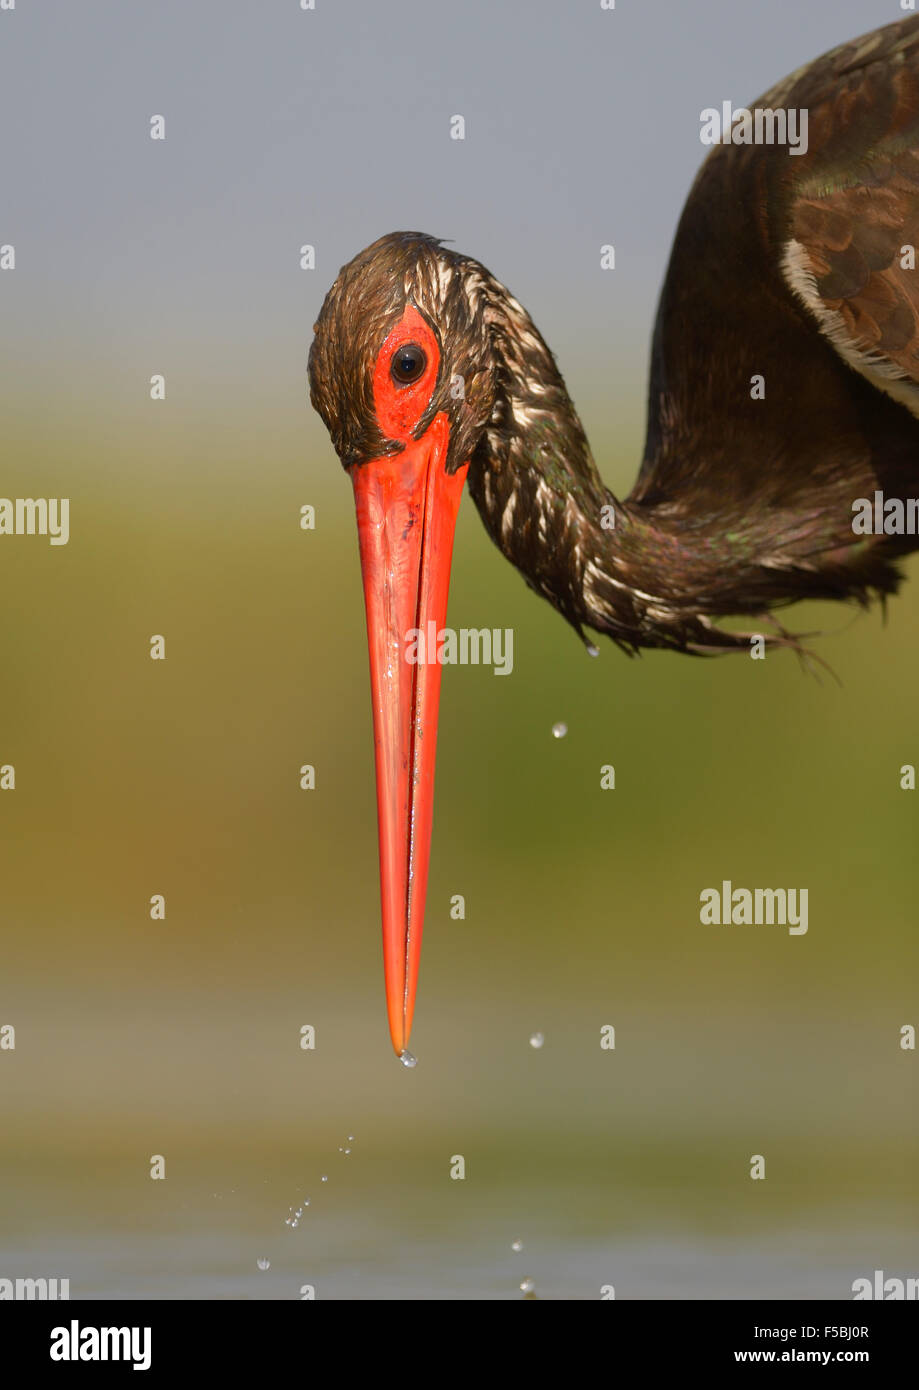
x=406 y=517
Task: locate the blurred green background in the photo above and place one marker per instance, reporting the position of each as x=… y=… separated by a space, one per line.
x=180 y=777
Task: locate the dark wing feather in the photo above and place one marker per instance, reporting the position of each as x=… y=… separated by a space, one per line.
x=858 y=265
x=779 y=475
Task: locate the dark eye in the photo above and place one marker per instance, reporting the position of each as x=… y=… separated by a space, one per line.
x=408 y=363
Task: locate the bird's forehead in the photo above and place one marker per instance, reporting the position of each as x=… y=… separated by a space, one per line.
x=373 y=289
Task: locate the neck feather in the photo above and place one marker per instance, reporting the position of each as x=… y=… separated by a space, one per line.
x=602 y=563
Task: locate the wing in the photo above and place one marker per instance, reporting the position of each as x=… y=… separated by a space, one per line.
x=796 y=268
x=851 y=260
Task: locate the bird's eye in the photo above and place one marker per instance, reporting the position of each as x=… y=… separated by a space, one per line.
x=408 y=363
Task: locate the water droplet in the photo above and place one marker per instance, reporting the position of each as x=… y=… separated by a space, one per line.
x=559 y=730
x=288 y=1221
x=536 y=1040
x=325 y=1177
x=347 y=1151
x=299 y=1212
x=517 y=1246
x=350 y=1138
x=592 y=650
x=263 y=1263
x=306 y=1201
x=340 y=1149
x=294 y=1224
x=407 y=1058
x=527 y=1285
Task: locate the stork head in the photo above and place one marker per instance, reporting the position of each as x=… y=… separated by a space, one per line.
x=402 y=337
x=401 y=372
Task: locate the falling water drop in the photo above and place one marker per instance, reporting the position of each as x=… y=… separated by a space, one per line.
x=517 y=1246
x=527 y=1285
x=347 y=1151
x=592 y=650
x=407 y=1058
x=350 y=1138
x=263 y=1263
x=536 y=1040
x=325 y=1177
x=559 y=730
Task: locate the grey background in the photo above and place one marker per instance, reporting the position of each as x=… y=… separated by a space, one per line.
x=134 y=1038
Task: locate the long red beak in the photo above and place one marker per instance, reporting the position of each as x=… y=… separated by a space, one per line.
x=406 y=517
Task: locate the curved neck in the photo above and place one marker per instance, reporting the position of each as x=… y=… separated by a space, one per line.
x=612 y=566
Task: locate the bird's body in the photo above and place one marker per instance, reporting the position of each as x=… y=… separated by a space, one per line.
x=784 y=390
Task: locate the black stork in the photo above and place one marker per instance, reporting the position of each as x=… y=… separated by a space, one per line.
x=793 y=268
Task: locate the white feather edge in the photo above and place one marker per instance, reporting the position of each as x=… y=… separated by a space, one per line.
x=879 y=370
